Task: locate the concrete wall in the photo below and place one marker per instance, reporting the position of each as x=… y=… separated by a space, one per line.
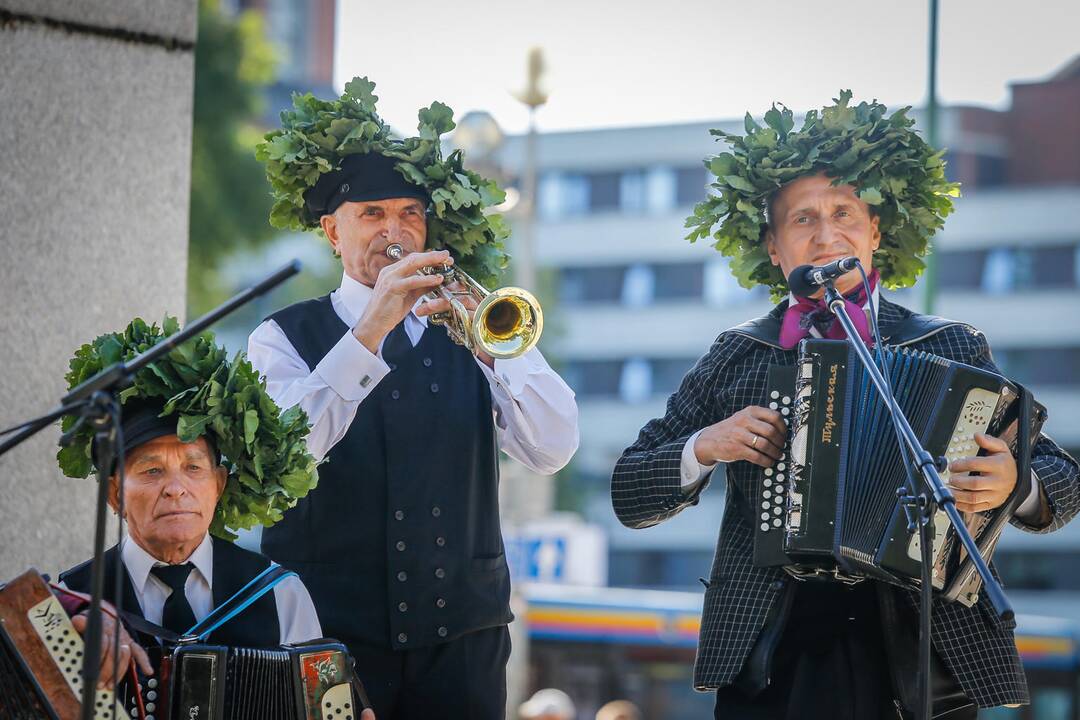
x=95 y=156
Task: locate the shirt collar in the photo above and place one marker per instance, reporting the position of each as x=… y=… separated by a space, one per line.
x=354 y=297
x=138 y=561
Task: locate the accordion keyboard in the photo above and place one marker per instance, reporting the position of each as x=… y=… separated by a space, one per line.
x=65 y=647
x=774 y=487
x=41 y=656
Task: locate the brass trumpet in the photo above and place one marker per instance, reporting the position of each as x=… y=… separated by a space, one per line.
x=507 y=322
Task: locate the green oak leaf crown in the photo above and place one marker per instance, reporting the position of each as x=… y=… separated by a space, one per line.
x=316 y=135
x=891 y=167
x=263 y=448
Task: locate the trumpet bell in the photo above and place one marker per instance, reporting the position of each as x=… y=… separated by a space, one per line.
x=507 y=323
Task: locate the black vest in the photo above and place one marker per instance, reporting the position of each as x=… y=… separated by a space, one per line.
x=257 y=626
x=400 y=545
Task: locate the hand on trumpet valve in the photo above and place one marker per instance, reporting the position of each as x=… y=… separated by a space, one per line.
x=441 y=304
x=399 y=286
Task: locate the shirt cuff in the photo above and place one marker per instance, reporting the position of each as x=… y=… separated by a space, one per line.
x=692 y=472
x=350 y=370
x=510 y=374
x=1031 y=507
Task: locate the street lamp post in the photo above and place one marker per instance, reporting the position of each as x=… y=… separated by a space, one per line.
x=533 y=96
x=930 y=284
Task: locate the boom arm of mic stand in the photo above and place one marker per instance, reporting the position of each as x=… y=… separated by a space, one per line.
x=927 y=467
x=118 y=376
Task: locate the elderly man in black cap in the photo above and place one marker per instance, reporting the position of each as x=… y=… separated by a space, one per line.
x=400 y=544
x=174 y=572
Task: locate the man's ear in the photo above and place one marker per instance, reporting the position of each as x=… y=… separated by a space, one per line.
x=220 y=476
x=770 y=247
x=875 y=231
x=330 y=229
x=114 y=493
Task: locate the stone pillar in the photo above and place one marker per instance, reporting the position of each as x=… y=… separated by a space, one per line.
x=95 y=158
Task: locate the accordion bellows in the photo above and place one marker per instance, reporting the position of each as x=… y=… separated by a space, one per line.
x=831 y=506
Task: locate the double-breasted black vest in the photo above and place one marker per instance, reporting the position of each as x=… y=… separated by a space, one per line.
x=257 y=626
x=400 y=544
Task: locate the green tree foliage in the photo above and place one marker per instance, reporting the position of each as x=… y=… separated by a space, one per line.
x=229 y=198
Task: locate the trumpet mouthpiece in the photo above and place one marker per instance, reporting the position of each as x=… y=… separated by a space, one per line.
x=394 y=251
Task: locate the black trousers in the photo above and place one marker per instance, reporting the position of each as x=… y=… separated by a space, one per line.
x=464 y=679
x=831 y=663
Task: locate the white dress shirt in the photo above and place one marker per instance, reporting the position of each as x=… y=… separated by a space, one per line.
x=694 y=473
x=535 y=411
x=297 y=620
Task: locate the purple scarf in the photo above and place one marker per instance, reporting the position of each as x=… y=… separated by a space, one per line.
x=807 y=313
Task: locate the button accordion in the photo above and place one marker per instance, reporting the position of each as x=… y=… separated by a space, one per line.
x=41 y=662
x=830 y=505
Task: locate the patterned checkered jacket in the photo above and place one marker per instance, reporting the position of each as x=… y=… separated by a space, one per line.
x=976 y=646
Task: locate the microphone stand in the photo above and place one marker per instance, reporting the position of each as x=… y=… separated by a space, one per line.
x=96 y=401
x=917 y=506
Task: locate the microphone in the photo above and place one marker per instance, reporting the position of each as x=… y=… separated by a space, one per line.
x=805 y=280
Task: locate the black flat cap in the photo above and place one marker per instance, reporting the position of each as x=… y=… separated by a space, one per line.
x=367 y=176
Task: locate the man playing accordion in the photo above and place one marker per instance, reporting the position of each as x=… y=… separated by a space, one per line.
x=204 y=449
x=852 y=182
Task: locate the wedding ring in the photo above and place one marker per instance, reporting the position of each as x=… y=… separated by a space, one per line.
x=754 y=443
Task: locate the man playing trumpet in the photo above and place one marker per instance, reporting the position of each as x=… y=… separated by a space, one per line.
x=400 y=544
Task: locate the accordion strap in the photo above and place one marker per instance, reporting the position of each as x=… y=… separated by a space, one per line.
x=245 y=596
x=255 y=589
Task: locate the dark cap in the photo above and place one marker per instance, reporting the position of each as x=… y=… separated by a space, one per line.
x=367 y=176
x=141 y=422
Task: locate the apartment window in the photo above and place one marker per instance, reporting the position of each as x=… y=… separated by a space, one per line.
x=961 y=269
x=632 y=192
x=1054 y=366
x=604 y=190
x=1050 y=267
x=990 y=170
x=680 y=281
x=639 y=286
x=591 y=284
x=561 y=194
x=998 y=273
x=1030 y=268
x=594 y=378
x=721 y=287
x=690 y=184
x=660 y=190
x=667 y=373
x=635 y=384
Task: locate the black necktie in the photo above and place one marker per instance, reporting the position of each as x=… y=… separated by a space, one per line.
x=177 y=614
x=397 y=343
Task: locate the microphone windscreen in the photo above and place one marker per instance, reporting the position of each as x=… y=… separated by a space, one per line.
x=799 y=284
